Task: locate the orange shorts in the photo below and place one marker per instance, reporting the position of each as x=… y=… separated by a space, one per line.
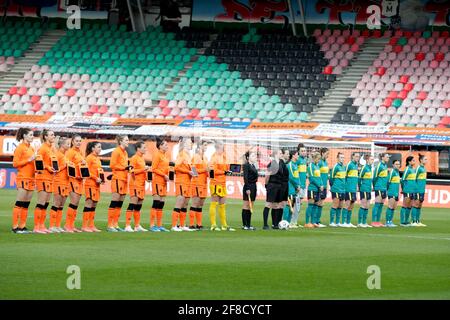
x=92 y=193
x=138 y=192
x=159 y=189
x=61 y=189
x=27 y=184
x=119 y=186
x=199 y=191
x=182 y=190
x=44 y=185
x=76 y=186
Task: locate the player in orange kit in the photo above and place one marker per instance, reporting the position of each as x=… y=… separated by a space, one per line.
x=160 y=177
x=74 y=157
x=137 y=188
x=119 y=183
x=44 y=181
x=92 y=185
x=183 y=174
x=199 y=186
x=23 y=161
x=218 y=188
x=60 y=184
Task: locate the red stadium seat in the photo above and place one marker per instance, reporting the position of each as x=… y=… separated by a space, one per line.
x=351 y=40
x=420 y=56
x=328 y=70
x=403 y=94
x=446 y=104
x=398 y=49
x=404 y=79
x=408 y=86
x=392 y=95
x=58 y=85
x=22 y=91
x=12 y=91
x=36 y=107
x=422 y=95
x=163 y=103
x=213 y=113
x=35 y=99
x=393 y=41
x=381 y=71
x=70 y=92
x=103 y=109
x=366 y=33
x=387 y=102
x=93 y=109
x=166 y=111
x=376 y=33
x=439 y=56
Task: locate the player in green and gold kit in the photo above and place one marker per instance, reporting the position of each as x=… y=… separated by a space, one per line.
x=380 y=181
x=393 y=193
x=421 y=182
x=324 y=171
x=337 y=183
x=365 y=191
x=409 y=189
x=301 y=170
x=351 y=187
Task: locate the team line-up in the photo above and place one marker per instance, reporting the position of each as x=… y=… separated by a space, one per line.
x=61 y=169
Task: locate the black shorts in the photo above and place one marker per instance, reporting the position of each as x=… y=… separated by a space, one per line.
x=323 y=194
x=421 y=197
x=284 y=191
x=273 y=193
x=411 y=195
x=393 y=197
x=381 y=193
x=314 y=195
x=365 y=195
x=340 y=196
x=252 y=188
x=350 y=196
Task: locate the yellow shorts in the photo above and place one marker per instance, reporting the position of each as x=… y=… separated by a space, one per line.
x=119 y=186
x=218 y=190
x=199 y=191
x=92 y=193
x=182 y=190
x=159 y=189
x=61 y=190
x=44 y=185
x=27 y=184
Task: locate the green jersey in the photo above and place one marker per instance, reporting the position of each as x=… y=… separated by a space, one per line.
x=294 y=181
x=421 y=179
x=324 y=171
x=365 y=179
x=409 y=180
x=301 y=168
x=351 y=174
x=393 y=183
x=315 y=181
x=380 y=177
x=337 y=178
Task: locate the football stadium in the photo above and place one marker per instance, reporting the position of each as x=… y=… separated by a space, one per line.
x=224 y=150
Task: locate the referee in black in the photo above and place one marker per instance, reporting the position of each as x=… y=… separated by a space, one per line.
x=274 y=188
x=249 y=188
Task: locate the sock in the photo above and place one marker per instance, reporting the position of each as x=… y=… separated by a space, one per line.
x=249 y=218
x=53 y=216
x=86 y=216
x=16 y=214
x=360 y=215
x=117 y=213
x=37 y=217
x=137 y=214
x=407 y=213
x=59 y=215
x=414 y=214
x=374 y=212
x=389 y=215
x=349 y=216
x=111 y=211
x=159 y=215
x=244 y=217
x=266 y=215
x=344 y=215
x=319 y=213
x=23 y=214
x=129 y=214
x=338 y=215
x=212 y=213
x=402 y=215
x=294 y=218
x=379 y=212
x=273 y=214
x=222 y=215
x=309 y=211
x=199 y=217
x=418 y=214
x=183 y=217
x=192 y=216
x=314 y=213
x=44 y=215
x=287 y=215
x=175 y=215
x=332 y=215
x=91 y=223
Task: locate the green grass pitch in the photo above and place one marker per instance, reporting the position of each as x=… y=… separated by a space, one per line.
x=298 y=264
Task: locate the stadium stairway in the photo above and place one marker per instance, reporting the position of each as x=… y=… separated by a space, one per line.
x=340 y=90
x=34 y=53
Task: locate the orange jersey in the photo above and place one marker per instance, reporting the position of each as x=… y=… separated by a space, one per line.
x=119 y=164
x=219 y=164
x=139 y=175
x=201 y=164
x=160 y=167
x=182 y=168
x=61 y=177
x=46 y=152
x=25 y=168
x=75 y=156
x=94 y=165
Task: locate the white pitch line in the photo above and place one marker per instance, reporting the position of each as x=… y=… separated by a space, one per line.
x=389 y=235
